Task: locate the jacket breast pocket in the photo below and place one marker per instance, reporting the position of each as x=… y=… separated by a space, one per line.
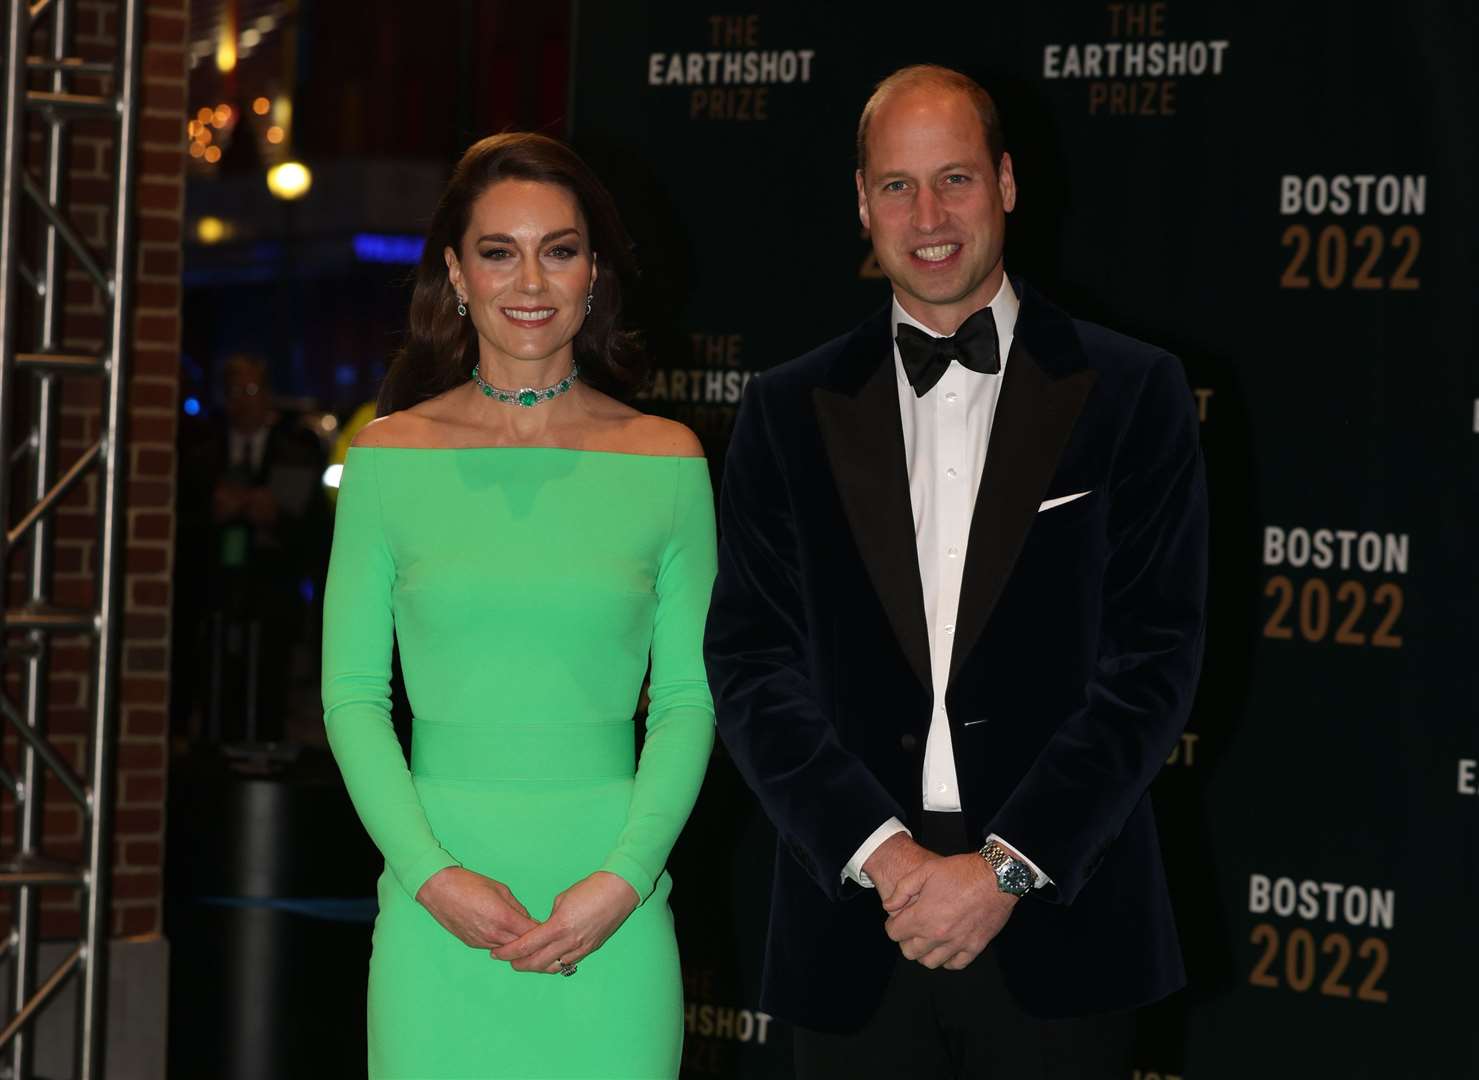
x=1067 y=510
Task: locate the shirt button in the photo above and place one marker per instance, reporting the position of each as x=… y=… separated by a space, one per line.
x=951 y=472
x=951 y=396
x=952 y=552
x=941 y=789
x=950 y=628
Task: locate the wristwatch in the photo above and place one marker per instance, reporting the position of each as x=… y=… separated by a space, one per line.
x=1011 y=876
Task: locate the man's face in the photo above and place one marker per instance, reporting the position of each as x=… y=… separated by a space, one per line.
x=934 y=204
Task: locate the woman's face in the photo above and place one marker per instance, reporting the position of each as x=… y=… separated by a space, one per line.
x=525 y=269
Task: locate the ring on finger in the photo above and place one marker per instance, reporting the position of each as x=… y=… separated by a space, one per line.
x=566 y=969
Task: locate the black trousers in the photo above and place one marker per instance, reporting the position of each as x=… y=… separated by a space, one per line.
x=965 y=1024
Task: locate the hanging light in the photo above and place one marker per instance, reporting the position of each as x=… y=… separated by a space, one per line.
x=210 y=230
x=290 y=180
x=226 y=40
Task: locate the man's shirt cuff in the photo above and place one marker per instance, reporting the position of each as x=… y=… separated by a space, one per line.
x=1042 y=879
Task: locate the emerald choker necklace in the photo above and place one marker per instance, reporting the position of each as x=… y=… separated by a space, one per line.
x=526 y=397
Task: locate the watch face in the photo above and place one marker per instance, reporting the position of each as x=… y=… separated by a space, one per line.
x=1015 y=878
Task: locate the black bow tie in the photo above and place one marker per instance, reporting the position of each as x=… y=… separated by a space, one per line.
x=925 y=358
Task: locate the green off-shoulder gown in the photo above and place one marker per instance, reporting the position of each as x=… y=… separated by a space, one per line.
x=528 y=587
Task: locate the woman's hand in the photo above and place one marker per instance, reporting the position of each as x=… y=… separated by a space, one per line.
x=583 y=917
x=478 y=911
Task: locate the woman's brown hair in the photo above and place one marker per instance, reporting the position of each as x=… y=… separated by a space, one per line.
x=441 y=347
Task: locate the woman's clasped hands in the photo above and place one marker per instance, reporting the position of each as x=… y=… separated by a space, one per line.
x=485 y=914
x=582 y=918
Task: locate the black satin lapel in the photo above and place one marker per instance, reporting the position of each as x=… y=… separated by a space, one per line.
x=865 y=445
x=1033 y=420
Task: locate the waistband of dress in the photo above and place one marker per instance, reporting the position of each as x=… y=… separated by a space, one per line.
x=600 y=750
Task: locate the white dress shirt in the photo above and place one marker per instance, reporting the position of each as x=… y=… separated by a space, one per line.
x=945 y=437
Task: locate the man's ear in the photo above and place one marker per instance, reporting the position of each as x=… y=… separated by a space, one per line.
x=862 y=199
x=1006 y=183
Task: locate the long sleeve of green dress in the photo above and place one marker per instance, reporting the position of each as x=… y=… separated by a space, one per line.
x=359 y=632
x=680 y=713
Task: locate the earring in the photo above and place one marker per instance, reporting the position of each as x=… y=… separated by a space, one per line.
x=589 y=299
x=462 y=307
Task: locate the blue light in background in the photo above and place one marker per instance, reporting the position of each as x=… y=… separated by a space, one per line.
x=192 y=406
x=346 y=374
x=387 y=248
x=306 y=590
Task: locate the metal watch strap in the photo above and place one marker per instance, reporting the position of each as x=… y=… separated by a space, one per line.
x=996 y=855
x=1012 y=875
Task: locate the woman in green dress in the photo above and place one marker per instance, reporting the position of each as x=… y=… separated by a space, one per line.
x=535 y=547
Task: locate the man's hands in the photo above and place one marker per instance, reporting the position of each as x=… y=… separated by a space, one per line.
x=478 y=911
x=942 y=911
x=893 y=860
x=583 y=917
x=946 y=910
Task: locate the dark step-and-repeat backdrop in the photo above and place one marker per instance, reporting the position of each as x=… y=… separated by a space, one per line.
x=1282 y=195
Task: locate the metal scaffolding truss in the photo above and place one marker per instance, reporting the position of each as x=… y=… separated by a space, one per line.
x=40 y=99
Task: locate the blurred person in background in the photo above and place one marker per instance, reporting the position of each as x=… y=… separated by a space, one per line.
x=254 y=529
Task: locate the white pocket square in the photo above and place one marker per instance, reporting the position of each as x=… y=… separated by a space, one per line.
x=1048 y=504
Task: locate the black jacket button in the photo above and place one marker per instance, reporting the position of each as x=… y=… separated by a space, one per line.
x=908 y=742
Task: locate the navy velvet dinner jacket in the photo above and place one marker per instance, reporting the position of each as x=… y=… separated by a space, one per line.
x=1077 y=650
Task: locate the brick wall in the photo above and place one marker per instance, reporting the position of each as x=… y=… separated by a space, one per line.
x=153 y=385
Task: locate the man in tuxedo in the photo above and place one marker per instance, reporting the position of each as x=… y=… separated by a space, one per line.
x=955 y=634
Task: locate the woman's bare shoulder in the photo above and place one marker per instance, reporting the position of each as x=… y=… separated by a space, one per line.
x=656 y=436
x=626 y=430
x=408 y=428
x=427 y=425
